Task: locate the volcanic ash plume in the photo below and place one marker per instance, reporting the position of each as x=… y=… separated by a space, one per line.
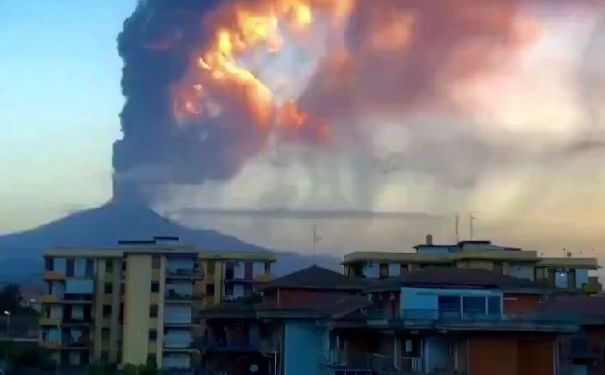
x=210 y=84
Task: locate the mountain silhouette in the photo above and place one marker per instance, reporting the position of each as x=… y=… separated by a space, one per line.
x=104 y=226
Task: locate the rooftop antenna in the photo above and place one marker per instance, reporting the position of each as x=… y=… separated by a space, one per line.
x=472 y=219
x=457 y=226
x=316 y=239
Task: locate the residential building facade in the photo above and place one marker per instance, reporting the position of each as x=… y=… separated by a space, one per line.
x=139 y=300
x=565 y=273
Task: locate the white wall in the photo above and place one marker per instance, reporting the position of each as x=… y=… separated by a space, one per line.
x=176 y=360
x=371 y=270
x=56 y=311
x=79 y=286
x=238 y=270
x=394 y=269
x=522 y=271
x=177 y=338
x=258 y=268
x=238 y=291
x=561 y=279
x=59 y=264
x=180 y=287
x=179 y=314
x=581 y=277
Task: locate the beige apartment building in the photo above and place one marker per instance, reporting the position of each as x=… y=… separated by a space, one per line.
x=139 y=300
x=565 y=273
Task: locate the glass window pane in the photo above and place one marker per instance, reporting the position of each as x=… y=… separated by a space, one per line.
x=493 y=305
x=473 y=305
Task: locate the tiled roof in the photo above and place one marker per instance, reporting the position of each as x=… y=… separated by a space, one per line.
x=579 y=306
x=315 y=277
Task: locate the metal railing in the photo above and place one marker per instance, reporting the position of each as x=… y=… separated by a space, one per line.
x=172 y=294
x=458 y=316
x=379 y=364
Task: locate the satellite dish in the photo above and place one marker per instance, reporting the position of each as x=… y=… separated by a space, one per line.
x=254 y=368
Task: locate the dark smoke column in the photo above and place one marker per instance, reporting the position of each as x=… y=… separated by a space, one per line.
x=156 y=45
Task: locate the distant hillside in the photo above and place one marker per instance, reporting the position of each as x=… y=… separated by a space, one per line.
x=20 y=253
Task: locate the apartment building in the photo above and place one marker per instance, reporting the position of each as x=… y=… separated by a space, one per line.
x=138 y=300
x=564 y=273
x=432 y=321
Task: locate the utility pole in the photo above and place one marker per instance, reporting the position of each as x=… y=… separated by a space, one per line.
x=316 y=239
x=457 y=227
x=472 y=219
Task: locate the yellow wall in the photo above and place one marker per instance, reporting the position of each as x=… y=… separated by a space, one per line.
x=136 y=309
x=476 y=264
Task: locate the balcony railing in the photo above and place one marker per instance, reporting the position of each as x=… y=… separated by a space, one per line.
x=341 y=362
x=178 y=296
x=183 y=272
x=445 y=316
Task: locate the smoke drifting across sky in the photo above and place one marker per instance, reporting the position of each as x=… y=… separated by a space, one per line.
x=413 y=105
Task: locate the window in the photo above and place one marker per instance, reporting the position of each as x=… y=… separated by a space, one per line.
x=123 y=266
x=122 y=288
x=69 y=272
x=411 y=347
x=209 y=289
x=229 y=289
x=473 y=305
x=449 y=306
x=156 y=262
x=90 y=267
x=108 y=288
x=384 y=270
x=229 y=271
x=155 y=287
x=105 y=334
x=153 y=334
x=106 y=311
x=48 y=264
x=109 y=265
x=498 y=267
x=153 y=311
x=267 y=268
x=493 y=305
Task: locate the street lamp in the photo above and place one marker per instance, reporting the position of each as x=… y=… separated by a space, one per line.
x=8 y=323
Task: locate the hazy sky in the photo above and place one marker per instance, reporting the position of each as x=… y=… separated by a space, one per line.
x=60 y=99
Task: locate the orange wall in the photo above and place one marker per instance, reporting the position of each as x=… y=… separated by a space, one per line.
x=510 y=355
x=536 y=356
x=520 y=303
x=492 y=356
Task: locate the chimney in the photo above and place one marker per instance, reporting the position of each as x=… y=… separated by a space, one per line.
x=429 y=239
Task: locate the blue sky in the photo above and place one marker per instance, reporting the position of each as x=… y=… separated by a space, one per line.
x=60 y=99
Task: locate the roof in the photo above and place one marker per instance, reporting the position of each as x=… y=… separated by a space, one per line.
x=455 y=277
x=577 y=306
x=315 y=277
x=315 y=306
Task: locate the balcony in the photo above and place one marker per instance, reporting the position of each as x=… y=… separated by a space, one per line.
x=49 y=321
x=77 y=298
x=50 y=298
x=182 y=273
x=343 y=363
x=175 y=296
x=54 y=275
x=417 y=318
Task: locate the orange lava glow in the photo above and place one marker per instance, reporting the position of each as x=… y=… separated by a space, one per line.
x=218 y=77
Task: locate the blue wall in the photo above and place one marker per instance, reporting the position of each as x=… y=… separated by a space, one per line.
x=303 y=348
